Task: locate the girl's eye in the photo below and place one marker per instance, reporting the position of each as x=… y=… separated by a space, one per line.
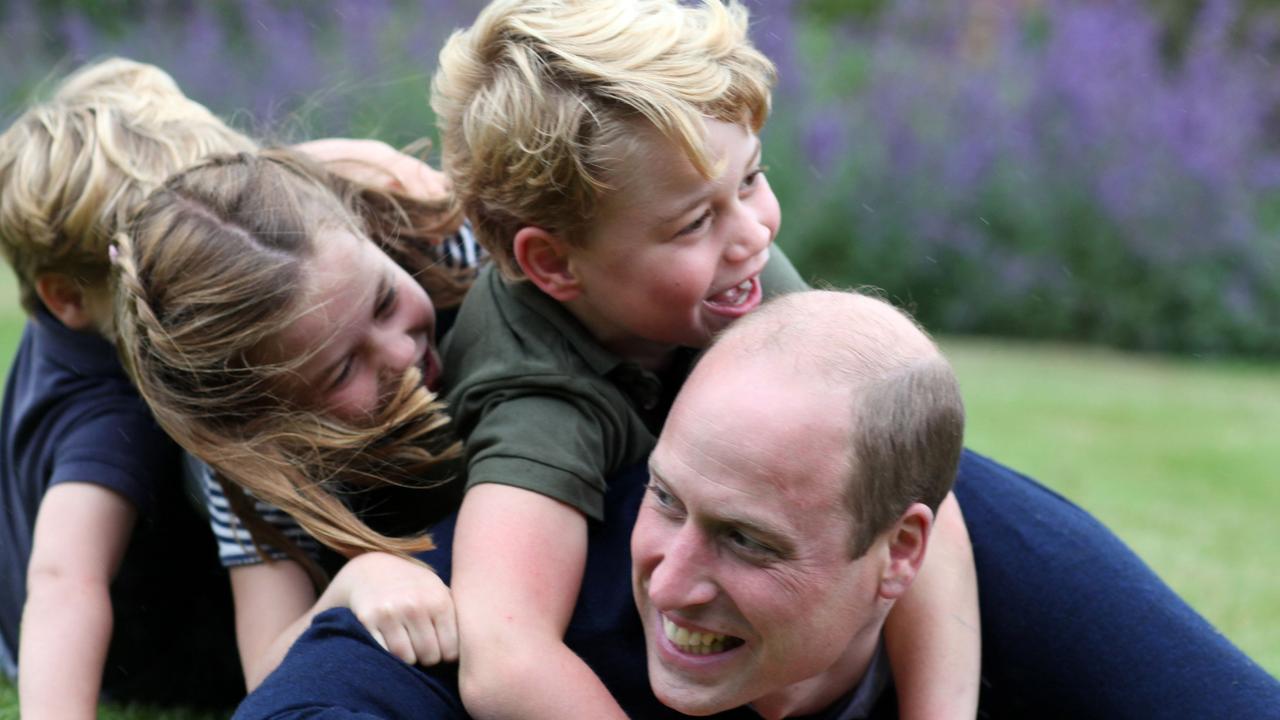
x=753 y=177
x=344 y=372
x=696 y=225
x=385 y=303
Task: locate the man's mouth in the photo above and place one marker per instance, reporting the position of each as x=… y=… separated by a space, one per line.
x=697 y=643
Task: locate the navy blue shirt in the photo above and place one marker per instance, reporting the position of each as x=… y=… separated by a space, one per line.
x=70 y=414
x=336 y=671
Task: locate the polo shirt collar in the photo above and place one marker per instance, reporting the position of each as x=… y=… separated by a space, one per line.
x=82 y=352
x=569 y=327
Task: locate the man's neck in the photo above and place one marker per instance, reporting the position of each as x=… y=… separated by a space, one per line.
x=817 y=693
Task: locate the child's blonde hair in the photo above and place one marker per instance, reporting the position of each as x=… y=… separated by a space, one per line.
x=534 y=98
x=73 y=168
x=210 y=268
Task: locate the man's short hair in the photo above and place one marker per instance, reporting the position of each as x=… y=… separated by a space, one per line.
x=907 y=416
x=73 y=168
x=537 y=98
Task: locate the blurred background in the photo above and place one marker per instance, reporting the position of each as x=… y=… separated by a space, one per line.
x=1081 y=196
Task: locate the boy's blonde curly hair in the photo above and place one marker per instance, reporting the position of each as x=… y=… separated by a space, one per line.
x=73 y=168
x=535 y=99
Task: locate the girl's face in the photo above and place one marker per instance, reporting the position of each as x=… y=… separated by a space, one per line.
x=365 y=321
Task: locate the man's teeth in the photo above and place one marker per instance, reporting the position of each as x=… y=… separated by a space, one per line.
x=695 y=643
x=735 y=295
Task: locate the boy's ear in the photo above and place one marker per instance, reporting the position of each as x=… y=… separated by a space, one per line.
x=544 y=259
x=907 y=541
x=65 y=299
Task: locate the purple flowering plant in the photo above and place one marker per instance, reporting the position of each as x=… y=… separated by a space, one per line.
x=1041 y=168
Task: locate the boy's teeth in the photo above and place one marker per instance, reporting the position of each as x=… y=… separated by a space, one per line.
x=696 y=643
x=735 y=295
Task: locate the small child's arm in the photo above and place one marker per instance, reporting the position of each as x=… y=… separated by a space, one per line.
x=518 y=563
x=402 y=603
x=81 y=534
x=933 y=632
x=376 y=163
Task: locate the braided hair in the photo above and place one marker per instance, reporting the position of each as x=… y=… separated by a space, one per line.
x=211 y=267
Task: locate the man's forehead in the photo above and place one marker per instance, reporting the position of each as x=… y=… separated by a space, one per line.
x=783 y=440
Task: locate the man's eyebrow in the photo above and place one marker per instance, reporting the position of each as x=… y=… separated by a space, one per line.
x=765 y=532
x=723 y=517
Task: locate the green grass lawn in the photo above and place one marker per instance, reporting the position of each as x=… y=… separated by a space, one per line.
x=1177 y=456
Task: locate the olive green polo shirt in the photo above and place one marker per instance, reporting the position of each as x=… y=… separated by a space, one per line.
x=541 y=405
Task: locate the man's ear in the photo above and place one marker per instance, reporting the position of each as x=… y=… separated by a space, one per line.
x=65 y=299
x=544 y=259
x=907 y=541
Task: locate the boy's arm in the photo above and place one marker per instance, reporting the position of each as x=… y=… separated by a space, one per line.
x=933 y=633
x=81 y=534
x=518 y=563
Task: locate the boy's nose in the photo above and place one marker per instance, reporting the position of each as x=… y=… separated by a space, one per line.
x=750 y=237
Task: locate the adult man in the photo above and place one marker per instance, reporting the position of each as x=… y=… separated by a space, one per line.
x=789 y=506
x=790 y=501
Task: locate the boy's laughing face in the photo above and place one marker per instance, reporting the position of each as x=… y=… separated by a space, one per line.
x=673 y=257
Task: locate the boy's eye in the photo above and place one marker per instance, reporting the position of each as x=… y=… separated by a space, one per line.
x=696 y=225
x=385 y=303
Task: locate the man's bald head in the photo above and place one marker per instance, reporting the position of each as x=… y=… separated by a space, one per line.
x=906 y=418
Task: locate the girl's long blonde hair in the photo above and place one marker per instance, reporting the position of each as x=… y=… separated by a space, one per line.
x=209 y=268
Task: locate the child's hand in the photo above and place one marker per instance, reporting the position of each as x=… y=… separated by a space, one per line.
x=376 y=163
x=403 y=604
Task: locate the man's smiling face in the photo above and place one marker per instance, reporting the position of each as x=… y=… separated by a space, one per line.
x=741 y=553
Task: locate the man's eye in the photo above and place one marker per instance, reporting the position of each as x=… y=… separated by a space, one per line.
x=664 y=499
x=385 y=303
x=748 y=544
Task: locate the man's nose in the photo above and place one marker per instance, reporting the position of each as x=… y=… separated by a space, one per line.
x=682 y=577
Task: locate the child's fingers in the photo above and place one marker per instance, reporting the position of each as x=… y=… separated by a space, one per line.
x=425 y=644
x=446 y=628
x=399 y=643
x=377 y=637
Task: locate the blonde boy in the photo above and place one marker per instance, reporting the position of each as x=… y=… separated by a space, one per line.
x=84 y=465
x=607 y=155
